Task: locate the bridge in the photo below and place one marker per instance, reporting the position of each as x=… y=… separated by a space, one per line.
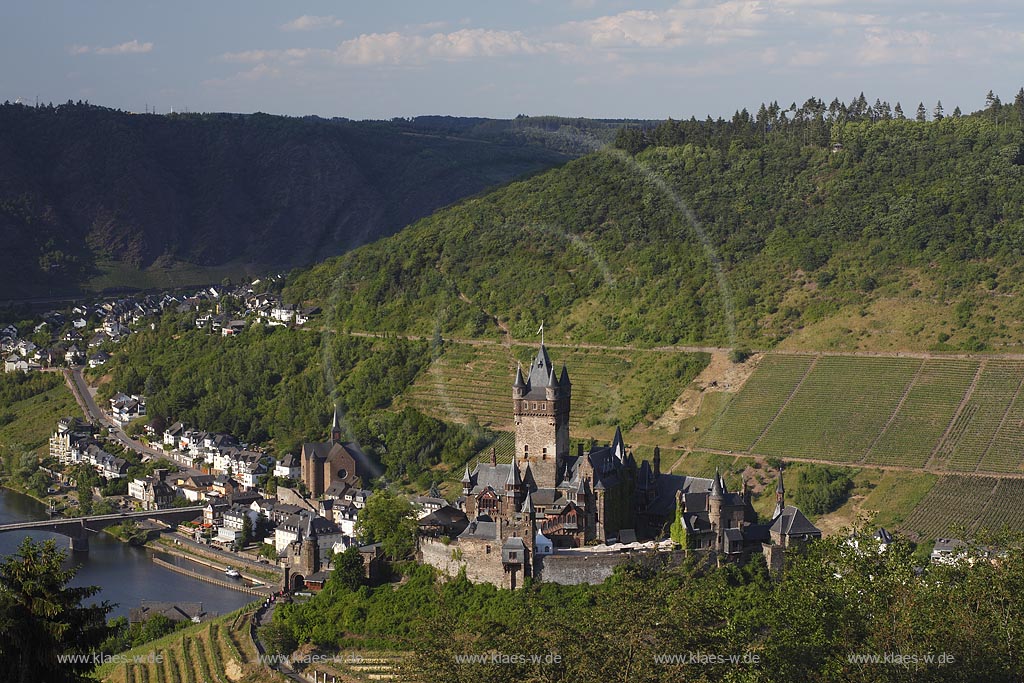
x=78 y=528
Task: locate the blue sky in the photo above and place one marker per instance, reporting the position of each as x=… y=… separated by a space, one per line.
x=599 y=58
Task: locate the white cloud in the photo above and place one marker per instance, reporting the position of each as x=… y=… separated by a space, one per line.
x=402 y=48
x=885 y=46
x=309 y=22
x=684 y=24
x=294 y=55
x=132 y=47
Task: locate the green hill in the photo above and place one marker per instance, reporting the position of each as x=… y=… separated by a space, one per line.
x=96 y=197
x=882 y=233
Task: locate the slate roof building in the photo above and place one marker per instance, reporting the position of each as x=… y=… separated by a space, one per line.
x=334 y=467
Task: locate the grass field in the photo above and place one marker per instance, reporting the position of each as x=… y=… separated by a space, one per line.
x=36 y=418
x=944 y=413
x=609 y=388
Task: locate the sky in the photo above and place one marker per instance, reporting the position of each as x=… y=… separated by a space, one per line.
x=593 y=58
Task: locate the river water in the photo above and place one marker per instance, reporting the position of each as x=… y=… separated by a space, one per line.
x=126 y=574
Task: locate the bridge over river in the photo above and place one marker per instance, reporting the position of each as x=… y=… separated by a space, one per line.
x=78 y=528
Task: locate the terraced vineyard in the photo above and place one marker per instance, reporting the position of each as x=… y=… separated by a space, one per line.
x=608 y=387
x=947 y=413
x=840 y=408
x=1003 y=508
x=975 y=427
x=217 y=652
x=959 y=505
x=922 y=419
x=764 y=394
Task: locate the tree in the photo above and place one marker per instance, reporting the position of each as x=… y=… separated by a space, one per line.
x=388 y=519
x=42 y=618
x=937 y=112
x=246 y=536
x=898 y=111
x=922 y=113
x=348 y=569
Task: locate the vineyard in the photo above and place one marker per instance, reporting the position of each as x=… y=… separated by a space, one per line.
x=962 y=506
x=609 y=388
x=947 y=413
x=216 y=652
x=763 y=396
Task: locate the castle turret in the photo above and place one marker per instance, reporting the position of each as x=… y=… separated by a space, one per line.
x=513 y=488
x=467 y=482
x=715 y=500
x=519 y=385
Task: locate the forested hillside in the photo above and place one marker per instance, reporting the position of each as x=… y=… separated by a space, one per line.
x=85 y=191
x=837 y=225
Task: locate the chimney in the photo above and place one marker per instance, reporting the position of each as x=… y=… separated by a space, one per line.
x=494 y=456
x=160 y=474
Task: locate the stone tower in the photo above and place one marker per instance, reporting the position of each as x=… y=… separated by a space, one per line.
x=540 y=401
x=715 y=500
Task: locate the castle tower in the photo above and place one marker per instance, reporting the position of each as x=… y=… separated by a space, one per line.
x=540 y=404
x=715 y=500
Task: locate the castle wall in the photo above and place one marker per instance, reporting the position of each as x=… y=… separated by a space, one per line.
x=472 y=555
x=570 y=569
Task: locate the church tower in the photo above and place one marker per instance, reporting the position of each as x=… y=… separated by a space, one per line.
x=540 y=401
x=336 y=428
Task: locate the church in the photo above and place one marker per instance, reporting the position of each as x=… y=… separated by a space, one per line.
x=331 y=469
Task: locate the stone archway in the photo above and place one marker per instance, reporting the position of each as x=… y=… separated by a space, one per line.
x=298 y=582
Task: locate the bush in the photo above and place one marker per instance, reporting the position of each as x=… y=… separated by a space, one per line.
x=820 y=490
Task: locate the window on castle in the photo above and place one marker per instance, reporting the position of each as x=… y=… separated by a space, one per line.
x=487 y=550
x=544 y=454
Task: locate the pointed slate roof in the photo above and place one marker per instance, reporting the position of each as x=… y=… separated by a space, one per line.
x=539 y=374
x=519 y=382
x=466 y=478
x=618 y=447
x=528 y=504
x=552 y=382
x=513 y=476
x=792 y=522
x=564 y=379
x=717 y=490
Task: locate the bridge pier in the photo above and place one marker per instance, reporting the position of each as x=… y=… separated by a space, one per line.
x=80 y=541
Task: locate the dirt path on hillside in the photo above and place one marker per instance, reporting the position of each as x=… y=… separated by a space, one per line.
x=720 y=375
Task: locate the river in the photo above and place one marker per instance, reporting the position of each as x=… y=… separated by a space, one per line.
x=126 y=574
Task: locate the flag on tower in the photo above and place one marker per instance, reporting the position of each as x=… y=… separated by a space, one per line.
x=541 y=332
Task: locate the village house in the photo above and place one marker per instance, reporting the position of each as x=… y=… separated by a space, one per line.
x=289 y=467
x=124 y=408
x=153 y=493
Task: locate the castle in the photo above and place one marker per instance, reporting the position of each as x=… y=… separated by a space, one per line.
x=545 y=512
